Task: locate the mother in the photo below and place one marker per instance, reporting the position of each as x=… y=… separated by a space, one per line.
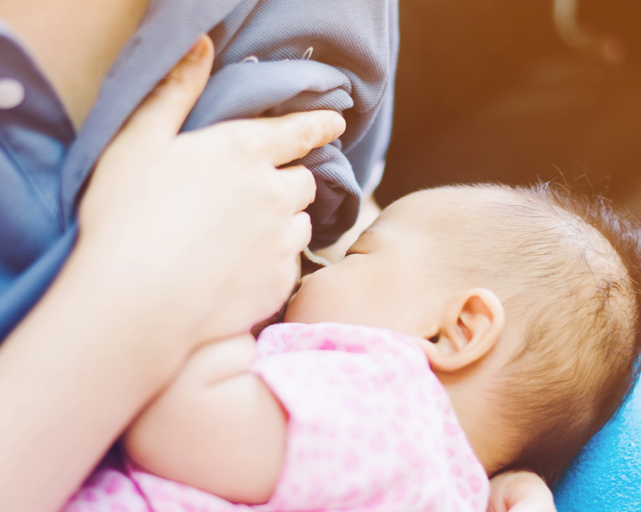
x=158 y=265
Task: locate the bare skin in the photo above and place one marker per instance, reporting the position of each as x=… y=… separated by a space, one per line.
x=75 y=42
x=336 y=252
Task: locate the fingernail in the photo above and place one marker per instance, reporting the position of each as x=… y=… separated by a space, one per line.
x=198 y=51
x=339 y=125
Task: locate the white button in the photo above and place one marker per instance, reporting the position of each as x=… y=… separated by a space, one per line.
x=11 y=93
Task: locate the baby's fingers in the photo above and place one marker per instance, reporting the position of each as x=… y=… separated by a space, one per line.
x=520 y=491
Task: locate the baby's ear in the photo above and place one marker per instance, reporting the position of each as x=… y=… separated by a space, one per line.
x=470 y=326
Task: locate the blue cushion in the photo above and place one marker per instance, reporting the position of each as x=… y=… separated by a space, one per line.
x=606 y=475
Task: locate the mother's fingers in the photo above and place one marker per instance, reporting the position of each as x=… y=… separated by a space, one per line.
x=280 y=140
x=165 y=109
x=302 y=231
x=299 y=183
x=293 y=136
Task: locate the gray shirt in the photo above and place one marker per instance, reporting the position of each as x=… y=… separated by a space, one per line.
x=272 y=57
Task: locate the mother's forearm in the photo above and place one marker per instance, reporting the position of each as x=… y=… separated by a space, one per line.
x=72 y=376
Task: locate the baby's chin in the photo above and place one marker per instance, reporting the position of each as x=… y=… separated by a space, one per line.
x=309 y=308
x=297 y=313
x=291 y=314
x=306 y=315
x=295 y=310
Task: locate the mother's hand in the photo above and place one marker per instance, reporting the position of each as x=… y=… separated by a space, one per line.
x=204 y=221
x=182 y=237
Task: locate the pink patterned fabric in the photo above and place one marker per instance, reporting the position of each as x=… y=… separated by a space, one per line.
x=371 y=429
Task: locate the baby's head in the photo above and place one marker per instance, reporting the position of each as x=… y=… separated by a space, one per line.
x=524 y=301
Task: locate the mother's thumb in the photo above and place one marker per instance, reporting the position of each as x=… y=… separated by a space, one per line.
x=165 y=109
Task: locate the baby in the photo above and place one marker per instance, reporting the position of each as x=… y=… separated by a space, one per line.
x=470 y=330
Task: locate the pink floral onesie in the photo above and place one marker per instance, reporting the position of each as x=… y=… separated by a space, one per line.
x=371 y=429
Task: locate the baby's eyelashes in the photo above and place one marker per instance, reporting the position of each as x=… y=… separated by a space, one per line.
x=351 y=252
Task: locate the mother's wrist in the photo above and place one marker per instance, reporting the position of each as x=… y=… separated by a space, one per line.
x=143 y=300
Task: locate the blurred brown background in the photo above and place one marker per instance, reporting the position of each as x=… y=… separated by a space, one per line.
x=516 y=91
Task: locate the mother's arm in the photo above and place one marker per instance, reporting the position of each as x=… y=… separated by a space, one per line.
x=176 y=232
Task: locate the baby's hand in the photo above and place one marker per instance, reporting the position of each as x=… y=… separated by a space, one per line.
x=520 y=491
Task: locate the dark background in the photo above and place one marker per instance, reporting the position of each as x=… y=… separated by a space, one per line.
x=488 y=91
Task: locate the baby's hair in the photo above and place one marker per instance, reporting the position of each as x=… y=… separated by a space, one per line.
x=568 y=269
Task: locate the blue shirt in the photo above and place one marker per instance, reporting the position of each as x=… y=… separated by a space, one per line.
x=302 y=56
